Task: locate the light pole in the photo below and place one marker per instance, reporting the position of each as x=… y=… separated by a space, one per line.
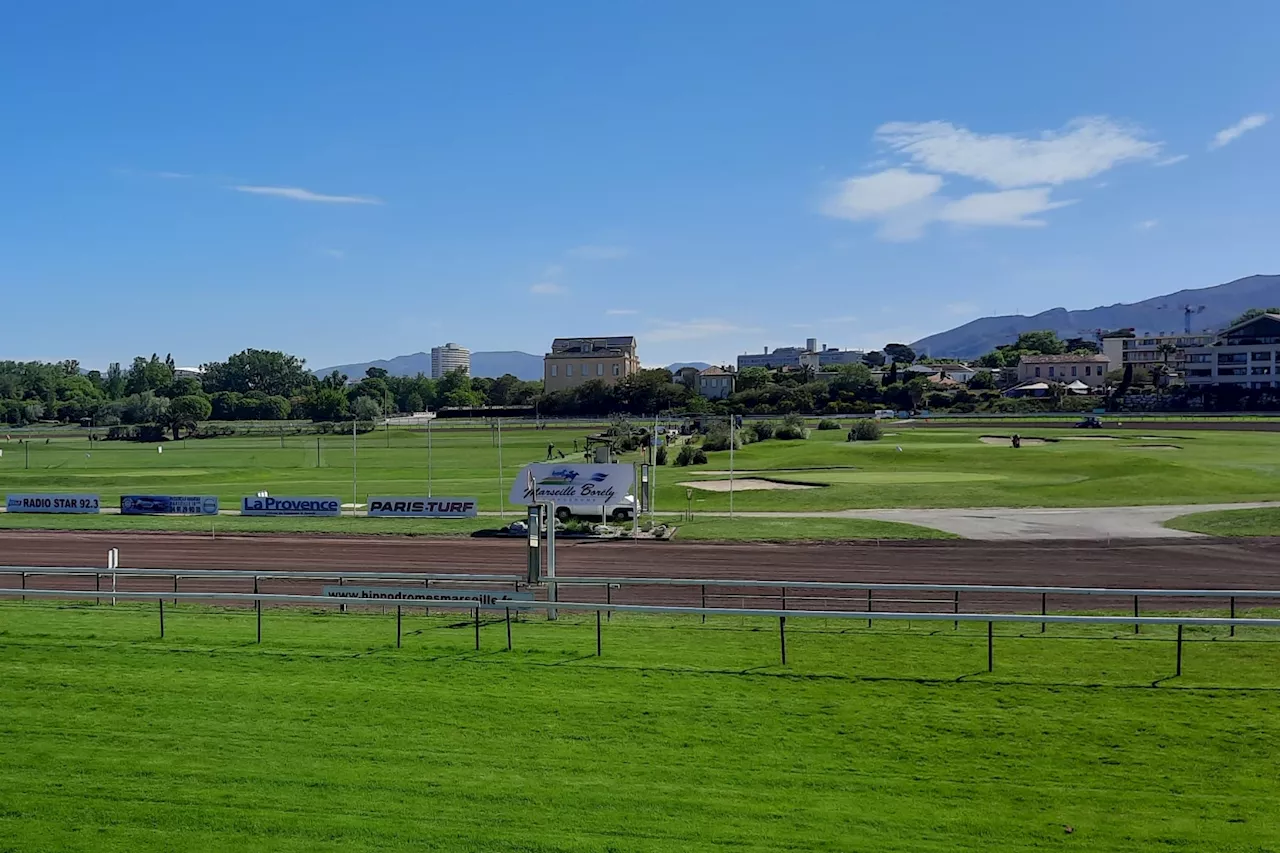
x=354 y=487
x=733 y=423
x=429 y=420
x=502 y=498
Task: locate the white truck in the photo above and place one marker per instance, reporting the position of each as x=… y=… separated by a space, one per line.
x=620 y=510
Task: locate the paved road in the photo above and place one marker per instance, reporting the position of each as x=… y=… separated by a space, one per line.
x=1007 y=523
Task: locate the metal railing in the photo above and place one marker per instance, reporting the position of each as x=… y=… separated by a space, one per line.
x=991 y=619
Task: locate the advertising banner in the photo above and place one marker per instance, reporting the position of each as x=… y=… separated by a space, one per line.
x=291 y=506
x=52 y=503
x=421 y=507
x=168 y=505
x=573 y=485
x=486 y=597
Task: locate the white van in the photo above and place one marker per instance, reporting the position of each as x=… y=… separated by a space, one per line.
x=621 y=510
x=882 y=414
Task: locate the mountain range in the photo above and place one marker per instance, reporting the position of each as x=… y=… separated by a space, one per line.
x=1221 y=304
x=521 y=365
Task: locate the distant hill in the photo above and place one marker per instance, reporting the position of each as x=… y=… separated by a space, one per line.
x=1223 y=303
x=522 y=365
x=700 y=365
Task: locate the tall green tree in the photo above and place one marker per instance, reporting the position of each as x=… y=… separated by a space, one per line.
x=186 y=413
x=269 y=371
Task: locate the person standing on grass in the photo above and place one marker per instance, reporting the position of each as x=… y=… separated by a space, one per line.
x=551 y=449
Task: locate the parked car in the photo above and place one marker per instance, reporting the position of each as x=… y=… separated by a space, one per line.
x=621 y=510
x=1090 y=423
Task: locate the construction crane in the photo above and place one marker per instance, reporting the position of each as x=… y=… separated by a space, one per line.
x=1188 y=311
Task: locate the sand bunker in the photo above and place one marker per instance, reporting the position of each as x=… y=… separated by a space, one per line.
x=1088 y=438
x=1005 y=440
x=745 y=484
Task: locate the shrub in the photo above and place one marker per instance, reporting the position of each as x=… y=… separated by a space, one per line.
x=763 y=430
x=661 y=456
x=718 y=439
x=699 y=458
x=685 y=456
x=866 y=429
x=828 y=424
x=792 y=429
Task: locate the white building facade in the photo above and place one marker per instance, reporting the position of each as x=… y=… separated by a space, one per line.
x=1247 y=355
x=449 y=358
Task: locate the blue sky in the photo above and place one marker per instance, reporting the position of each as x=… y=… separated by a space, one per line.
x=356 y=181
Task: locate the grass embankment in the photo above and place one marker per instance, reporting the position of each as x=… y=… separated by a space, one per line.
x=1231 y=522
x=682 y=737
x=710 y=529
x=232 y=524
x=909 y=468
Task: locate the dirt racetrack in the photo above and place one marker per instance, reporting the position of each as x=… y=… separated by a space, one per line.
x=1205 y=564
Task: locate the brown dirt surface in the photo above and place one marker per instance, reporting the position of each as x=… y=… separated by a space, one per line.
x=1205 y=564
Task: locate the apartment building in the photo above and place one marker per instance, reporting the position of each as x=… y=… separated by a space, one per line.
x=573 y=361
x=1148 y=350
x=1245 y=355
x=808 y=355
x=449 y=358
x=1073 y=367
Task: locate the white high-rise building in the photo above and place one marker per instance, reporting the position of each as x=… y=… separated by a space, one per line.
x=449 y=358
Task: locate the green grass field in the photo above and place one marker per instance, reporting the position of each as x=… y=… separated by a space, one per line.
x=799 y=529
x=1231 y=522
x=933 y=468
x=681 y=737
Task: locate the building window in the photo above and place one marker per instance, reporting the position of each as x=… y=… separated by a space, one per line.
x=1087 y=370
x=617 y=370
x=1050 y=371
x=1233 y=371
x=1200 y=358
x=1261 y=356
x=1200 y=372
x=1232 y=358
x=1073 y=370
x=1260 y=371
x=553 y=369
x=599 y=370
x=568 y=370
x=1037 y=372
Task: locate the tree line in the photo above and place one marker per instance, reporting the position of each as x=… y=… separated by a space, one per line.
x=257 y=385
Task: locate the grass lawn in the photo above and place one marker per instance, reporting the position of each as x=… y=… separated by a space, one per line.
x=1231 y=522
x=933 y=467
x=681 y=737
x=799 y=529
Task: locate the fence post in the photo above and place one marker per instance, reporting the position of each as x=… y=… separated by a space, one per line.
x=1136 y=626
x=868 y=607
x=955 y=608
x=1233 y=614
x=161 y=618
x=342 y=608
x=991 y=648
x=704 y=603
x=608 y=598
x=782 y=637
x=598 y=649
x=24 y=584
x=258 y=607
x=1179 y=672
x=397 y=626
x=477 y=611
x=175 y=589
x=1044 y=607
x=784 y=598
x=97 y=586
x=508 y=609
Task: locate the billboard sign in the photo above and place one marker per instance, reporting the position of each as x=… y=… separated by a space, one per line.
x=290 y=506
x=168 y=505
x=79 y=504
x=421 y=507
x=572 y=484
x=486 y=597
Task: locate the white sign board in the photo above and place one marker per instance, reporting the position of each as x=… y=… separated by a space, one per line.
x=572 y=484
x=290 y=506
x=420 y=507
x=52 y=503
x=486 y=597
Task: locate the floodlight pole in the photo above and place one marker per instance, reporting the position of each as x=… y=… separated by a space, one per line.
x=429 y=420
x=733 y=420
x=354 y=487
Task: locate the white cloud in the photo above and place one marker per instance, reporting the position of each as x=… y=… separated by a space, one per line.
x=299 y=194
x=872 y=196
x=1147 y=224
x=621 y=312
x=1230 y=134
x=548 y=288
x=599 y=253
x=1084 y=148
x=1011 y=207
x=691 y=330
x=1170 y=161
